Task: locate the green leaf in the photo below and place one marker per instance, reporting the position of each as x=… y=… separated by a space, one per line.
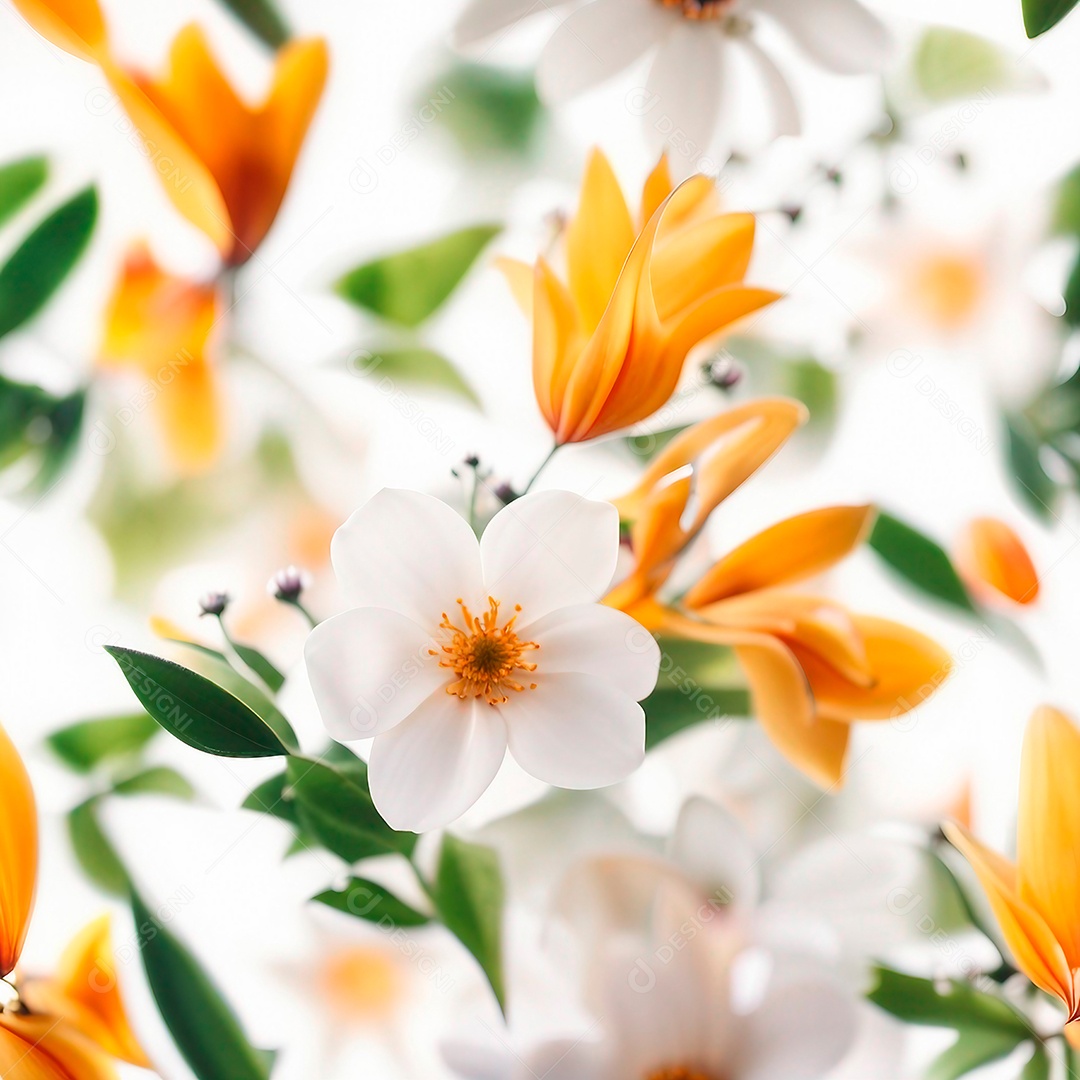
x=1042 y=15
x=950 y=64
x=19 y=182
x=972 y=1050
x=667 y=711
x=418 y=367
x=1038 y=1066
x=204 y=1027
x=35 y=423
x=469 y=897
x=335 y=807
x=263 y=19
x=1071 y=296
x=920 y=561
x=374 y=902
x=159 y=780
x=1066 y=217
x=196 y=710
x=410 y=286
x=86 y=745
x=486 y=109
x=261 y=666
x=945 y=1003
x=94 y=850
x=39 y=265
x=274 y=797
x=1038 y=489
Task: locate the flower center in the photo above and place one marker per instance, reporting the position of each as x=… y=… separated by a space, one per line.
x=701 y=9
x=484 y=655
x=360 y=984
x=948 y=288
x=677 y=1072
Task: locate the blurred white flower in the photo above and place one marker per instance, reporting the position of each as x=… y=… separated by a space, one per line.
x=455 y=649
x=690 y=99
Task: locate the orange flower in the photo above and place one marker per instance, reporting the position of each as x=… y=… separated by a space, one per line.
x=224 y=163
x=71 y=1027
x=161 y=325
x=1036 y=900
x=812 y=666
x=609 y=345
x=992 y=558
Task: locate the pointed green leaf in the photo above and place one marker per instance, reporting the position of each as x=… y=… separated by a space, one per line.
x=1042 y=15
x=469 y=897
x=373 y=902
x=39 y=265
x=204 y=1027
x=335 y=807
x=19 y=182
x=159 y=780
x=261 y=666
x=274 y=797
x=86 y=745
x=972 y=1050
x=920 y=561
x=417 y=367
x=94 y=851
x=263 y=19
x=196 y=710
x=410 y=286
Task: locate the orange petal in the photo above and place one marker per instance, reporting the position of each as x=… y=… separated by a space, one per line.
x=598 y=240
x=792 y=550
x=519 y=276
x=77 y=26
x=658 y=186
x=991 y=554
x=1048 y=833
x=18 y=853
x=714 y=312
x=906 y=667
x=557 y=343
x=1036 y=951
x=45 y=1048
x=86 y=995
x=190 y=415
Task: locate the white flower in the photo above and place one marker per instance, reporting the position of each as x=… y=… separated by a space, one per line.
x=454 y=650
x=689 y=97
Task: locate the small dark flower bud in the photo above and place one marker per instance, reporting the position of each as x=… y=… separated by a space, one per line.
x=792 y=213
x=288 y=584
x=723 y=372
x=472 y=461
x=505 y=493
x=214 y=603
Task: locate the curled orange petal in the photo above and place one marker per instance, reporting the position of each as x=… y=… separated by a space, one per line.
x=990 y=554
x=77 y=26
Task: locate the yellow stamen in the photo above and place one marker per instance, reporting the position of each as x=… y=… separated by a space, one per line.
x=484 y=655
x=700 y=9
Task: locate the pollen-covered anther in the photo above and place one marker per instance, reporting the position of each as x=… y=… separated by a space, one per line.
x=484 y=655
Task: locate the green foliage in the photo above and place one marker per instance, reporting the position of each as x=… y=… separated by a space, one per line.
x=86 y=745
x=94 y=851
x=950 y=64
x=408 y=287
x=372 y=902
x=39 y=265
x=204 y=1027
x=1043 y=15
x=20 y=181
x=157 y=780
x=39 y=427
x=263 y=19
x=668 y=712
x=419 y=367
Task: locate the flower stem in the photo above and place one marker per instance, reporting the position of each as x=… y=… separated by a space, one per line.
x=543 y=465
x=303 y=611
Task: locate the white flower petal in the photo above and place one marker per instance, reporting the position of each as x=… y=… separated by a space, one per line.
x=686 y=94
x=713 y=849
x=550 y=550
x=408 y=552
x=369 y=669
x=595 y=42
x=575 y=731
x=432 y=767
x=841 y=35
x=483 y=19
x=785 y=110
x=598 y=641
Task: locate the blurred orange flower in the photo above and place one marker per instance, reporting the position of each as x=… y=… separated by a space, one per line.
x=991 y=557
x=1036 y=900
x=610 y=343
x=70 y=1027
x=162 y=326
x=225 y=164
x=813 y=667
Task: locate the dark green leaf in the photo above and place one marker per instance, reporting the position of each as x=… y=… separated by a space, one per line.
x=1034 y=484
x=945 y=1003
x=374 y=902
x=920 y=561
x=94 y=851
x=160 y=780
x=667 y=712
x=972 y=1050
x=195 y=710
x=39 y=265
x=85 y=745
x=35 y=423
x=262 y=18
x=1042 y=15
x=410 y=286
x=19 y=182
x=206 y=1030
x=274 y=797
x=261 y=666
x=415 y=366
x=1072 y=296
x=335 y=807
x=469 y=898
